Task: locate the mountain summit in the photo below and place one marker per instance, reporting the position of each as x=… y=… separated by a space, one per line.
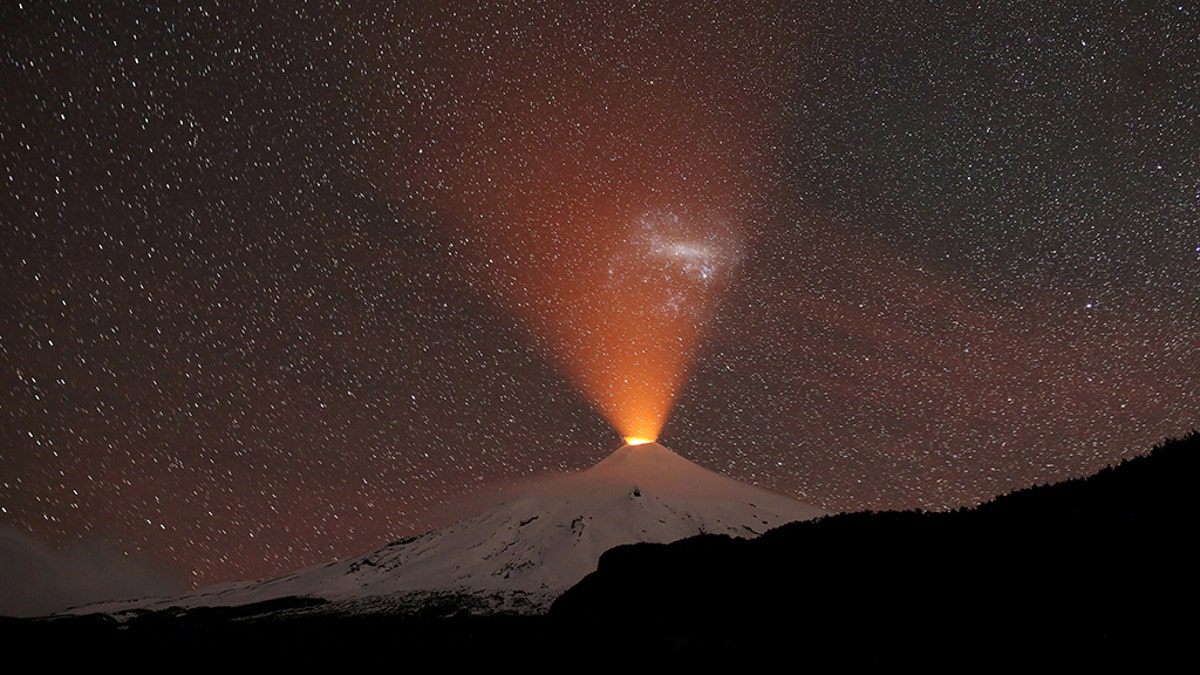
x=527 y=551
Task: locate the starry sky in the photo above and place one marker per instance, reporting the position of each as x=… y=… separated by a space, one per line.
x=281 y=286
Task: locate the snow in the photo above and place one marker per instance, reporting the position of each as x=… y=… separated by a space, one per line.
x=538 y=544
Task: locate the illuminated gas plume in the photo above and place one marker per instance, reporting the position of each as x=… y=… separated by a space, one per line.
x=600 y=167
x=628 y=323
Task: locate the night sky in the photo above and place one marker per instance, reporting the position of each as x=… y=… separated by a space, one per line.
x=283 y=286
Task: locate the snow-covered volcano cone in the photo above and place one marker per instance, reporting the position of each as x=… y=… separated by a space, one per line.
x=543 y=541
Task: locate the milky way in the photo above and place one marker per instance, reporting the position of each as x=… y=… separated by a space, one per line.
x=282 y=287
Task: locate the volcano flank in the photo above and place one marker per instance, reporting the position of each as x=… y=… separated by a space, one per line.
x=522 y=554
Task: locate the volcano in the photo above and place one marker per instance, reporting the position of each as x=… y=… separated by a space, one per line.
x=522 y=554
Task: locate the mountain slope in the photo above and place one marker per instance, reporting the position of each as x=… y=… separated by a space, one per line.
x=526 y=551
x=1105 y=562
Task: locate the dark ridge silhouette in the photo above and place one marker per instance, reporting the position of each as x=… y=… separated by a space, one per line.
x=1100 y=566
x=1090 y=570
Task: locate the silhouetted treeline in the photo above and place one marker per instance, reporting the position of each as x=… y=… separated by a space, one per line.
x=1100 y=565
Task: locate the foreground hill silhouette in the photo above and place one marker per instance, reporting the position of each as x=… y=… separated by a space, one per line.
x=1100 y=564
x=1084 y=570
